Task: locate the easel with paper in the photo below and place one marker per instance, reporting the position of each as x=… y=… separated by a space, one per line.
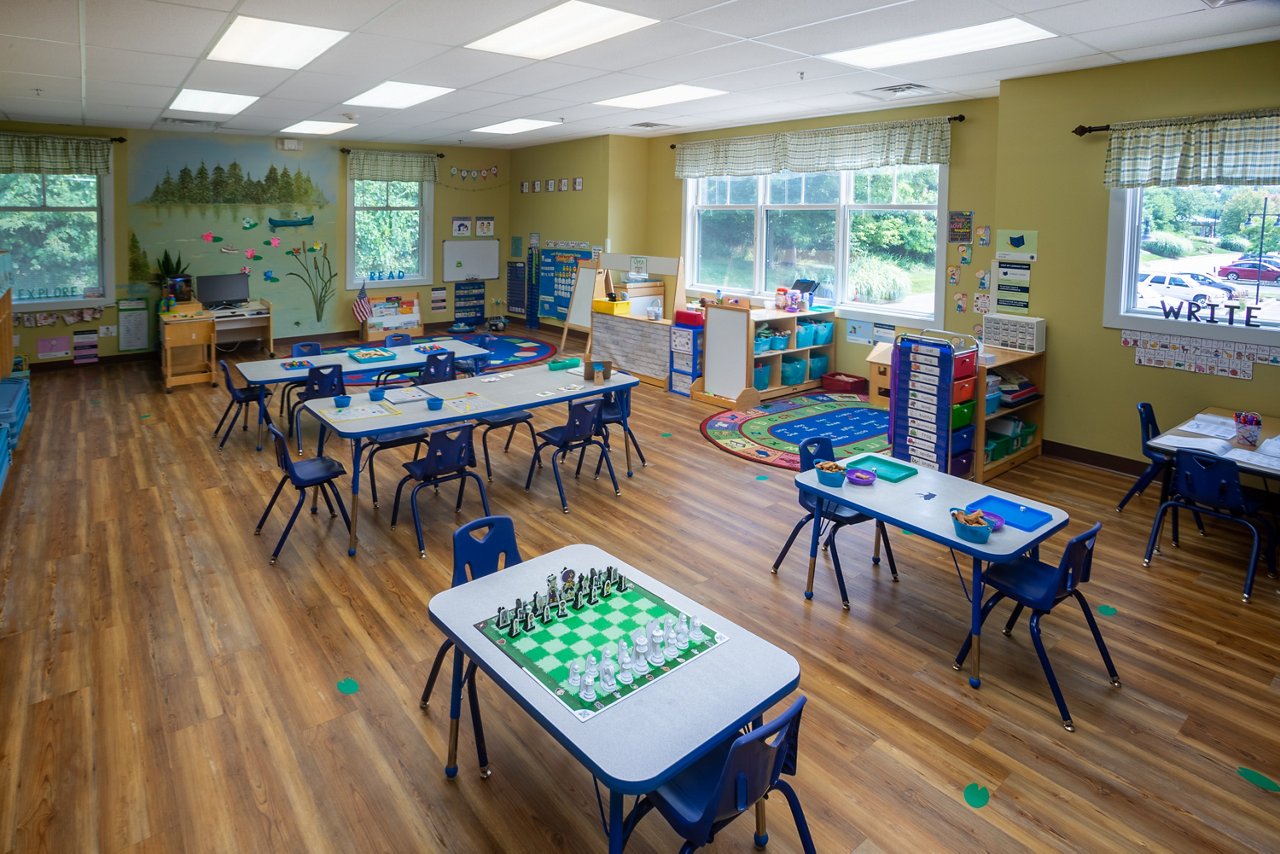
x=592 y=283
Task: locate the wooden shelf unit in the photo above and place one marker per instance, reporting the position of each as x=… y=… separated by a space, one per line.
x=186 y=349
x=729 y=372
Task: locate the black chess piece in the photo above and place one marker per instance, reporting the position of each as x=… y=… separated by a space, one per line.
x=513 y=630
x=504 y=619
x=561 y=610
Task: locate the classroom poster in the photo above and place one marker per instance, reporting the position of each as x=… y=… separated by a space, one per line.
x=439 y=299
x=461 y=226
x=557 y=271
x=884 y=333
x=1016 y=244
x=858 y=331
x=960 y=227
x=484 y=226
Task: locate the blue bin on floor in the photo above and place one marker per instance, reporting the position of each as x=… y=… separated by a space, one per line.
x=817 y=367
x=761 y=380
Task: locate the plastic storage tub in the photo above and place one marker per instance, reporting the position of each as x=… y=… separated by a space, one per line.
x=817 y=366
x=962 y=439
x=1027 y=435
x=793 y=370
x=823 y=332
x=847 y=383
x=966 y=365
x=993 y=401
x=962 y=390
x=804 y=334
x=779 y=342
x=761 y=379
x=15 y=405
x=998 y=447
x=962 y=415
x=961 y=464
x=762 y=345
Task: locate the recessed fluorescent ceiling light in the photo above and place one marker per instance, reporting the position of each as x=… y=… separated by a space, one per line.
x=397 y=96
x=567 y=27
x=1009 y=31
x=515 y=126
x=253 y=41
x=317 y=127
x=200 y=101
x=658 y=97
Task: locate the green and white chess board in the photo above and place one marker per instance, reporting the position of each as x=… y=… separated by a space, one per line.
x=546 y=651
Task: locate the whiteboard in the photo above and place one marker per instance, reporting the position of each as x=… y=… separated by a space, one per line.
x=584 y=290
x=470 y=259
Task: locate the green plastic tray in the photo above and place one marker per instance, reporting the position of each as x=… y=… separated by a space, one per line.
x=884 y=467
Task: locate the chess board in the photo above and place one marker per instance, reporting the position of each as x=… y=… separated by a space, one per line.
x=546 y=652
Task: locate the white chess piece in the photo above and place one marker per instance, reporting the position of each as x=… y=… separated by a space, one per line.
x=669 y=649
x=625 y=664
x=641 y=663
x=682 y=633
x=575 y=675
x=607 y=683
x=592 y=670
x=588 y=691
x=656 y=640
x=696 y=634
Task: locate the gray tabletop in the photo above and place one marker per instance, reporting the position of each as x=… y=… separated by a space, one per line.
x=267 y=371
x=636 y=743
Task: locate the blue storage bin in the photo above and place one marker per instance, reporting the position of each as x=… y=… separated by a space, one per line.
x=15 y=404
x=961 y=464
x=823 y=332
x=762 y=344
x=993 y=402
x=804 y=334
x=761 y=379
x=793 y=370
x=5 y=459
x=779 y=342
x=962 y=439
x=817 y=366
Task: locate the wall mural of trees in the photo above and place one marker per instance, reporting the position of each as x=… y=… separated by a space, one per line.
x=233 y=186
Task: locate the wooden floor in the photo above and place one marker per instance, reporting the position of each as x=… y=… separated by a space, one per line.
x=163 y=688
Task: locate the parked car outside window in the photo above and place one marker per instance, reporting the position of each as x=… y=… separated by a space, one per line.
x=1250 y=271
x=1183 y=287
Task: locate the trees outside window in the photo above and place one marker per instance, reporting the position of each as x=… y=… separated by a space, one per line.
x=53 y=227
x=391 y=229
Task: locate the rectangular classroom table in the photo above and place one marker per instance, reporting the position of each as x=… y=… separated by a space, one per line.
x=921 y=504
x=487 y=394
x=265 y=372
x=642 y=740
x=1199 y=432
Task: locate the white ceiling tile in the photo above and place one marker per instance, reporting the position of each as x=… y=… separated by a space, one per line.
x=641 y=47
x=151 y=27
x=33 y=56
x=235 y=78
x=1264 y=34
x=120 y=116
x=52 y=20
x=574 y=112
x=330 y=89
x=604 y=87
x=518 y=108
x=280 y=110
x=332 y=14
x=663 y=10
x=374 y=57
x=460 y=67
x=887 y=24
x=1087 y=15
x=538 y=77
x=128 y=94
x=467 y=101
x=1244 y=18
x=796 y=71
x=718 y=60
x=51 y=88
x=441 y=21
x=220 y=5
x=754 y=18
x=131 y=66
x=42 y=110
x=1020 y=7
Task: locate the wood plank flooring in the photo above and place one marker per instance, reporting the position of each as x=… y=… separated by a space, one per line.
x=166 y=689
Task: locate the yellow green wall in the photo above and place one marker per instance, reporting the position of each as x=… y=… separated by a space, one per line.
x=629 y=181
x=576 y=215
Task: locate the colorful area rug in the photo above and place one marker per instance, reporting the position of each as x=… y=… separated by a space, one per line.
x=772 y=432
x=507 y=351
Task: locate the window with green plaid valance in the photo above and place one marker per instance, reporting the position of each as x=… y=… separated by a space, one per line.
x=1231 y=149
x=366 y=165
x=41 y=154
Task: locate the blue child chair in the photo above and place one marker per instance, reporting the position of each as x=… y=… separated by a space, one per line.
x=298 y=351
x=322 y=381
x=480 y=547
x=397 y=339
x=449 y=455
x=438 y=367
x=617 y=410
x=1040 y=586
x=318 y=473
x=701 y=800
x=834 y=518
x=576 y=434
x=241 y=400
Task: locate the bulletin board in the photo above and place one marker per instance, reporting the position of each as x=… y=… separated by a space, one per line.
x=134 y=323
x=470 y=259
x=557 y=272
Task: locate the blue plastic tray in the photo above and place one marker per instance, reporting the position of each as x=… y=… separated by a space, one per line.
x=1018 y=516
x=297 y=364
x=884 y=468
x=429 y=348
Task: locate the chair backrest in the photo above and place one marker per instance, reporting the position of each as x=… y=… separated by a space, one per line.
x=754 y=763
x=438 y=368
x=477 y=556
x=1077 y=559
x=449 y=450
x=617 y=405
x=307 y=348
x=284 y=458
x=1208 y=480
x=324 y=381
x=815 y=449
x=397 y=339
x=583 y=417
x=1147 y=422
x=226 y=372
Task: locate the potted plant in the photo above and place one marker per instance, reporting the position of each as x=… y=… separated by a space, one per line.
x=172 y=276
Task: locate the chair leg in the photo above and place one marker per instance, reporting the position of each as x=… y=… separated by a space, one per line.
x=484 y=443
x=231 y=425
x=477 y=726
x=1013 y=619
x=484 y=495
x=555 y=467
x=534 y=464
x=435 y=672
x=328 y=502
x=1153 y=542
x=1048 y=671
x=882 y=534
x=272 y=503
x=797 y=815
x=1253 y=560
x=968 y=638
x=835 y=563
x=1097 y=637
x=395 y=507
x=302 y=497
x=1139 y=486
x=337 y=496
x=604 y=452
x=417 y=518
x=225 y=412
x=791 y=539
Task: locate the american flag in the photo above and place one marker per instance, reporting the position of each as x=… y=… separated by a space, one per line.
x=361 y=307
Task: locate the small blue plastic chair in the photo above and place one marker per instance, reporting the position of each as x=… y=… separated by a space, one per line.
x=397 y=339
x=449 y=455
x=480 y=547
x=298 y=351
x=438 y=367
x=1040 y=586
x=708 y=795
x=322 y=381
x=241 y=401
x=1210 y=485
x=318 y=473
x=812 y=451
x=617 y=410
x=577 y=434
x=511 y=419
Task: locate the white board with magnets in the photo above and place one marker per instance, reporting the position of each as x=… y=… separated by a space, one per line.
x=470 y=259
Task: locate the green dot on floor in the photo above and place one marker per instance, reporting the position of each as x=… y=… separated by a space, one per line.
x=976 y=796
x=666 y=435
x=147 y=415
x=762 y=477
x=1262 y=781
x=348 y=686
x=1107 y=610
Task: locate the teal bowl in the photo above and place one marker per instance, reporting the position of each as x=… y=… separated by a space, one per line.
x=971 y=533
x=830 y=478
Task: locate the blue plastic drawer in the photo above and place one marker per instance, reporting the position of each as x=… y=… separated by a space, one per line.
x=962 y=439
x=15 y=404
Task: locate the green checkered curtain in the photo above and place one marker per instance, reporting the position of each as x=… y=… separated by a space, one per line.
x=54 y=155
x=1236 y=148
x=867 y=146
x=365 y=165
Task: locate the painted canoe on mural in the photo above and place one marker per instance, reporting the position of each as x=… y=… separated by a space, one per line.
x=273 y=224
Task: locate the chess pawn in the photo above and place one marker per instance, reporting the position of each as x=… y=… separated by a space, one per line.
x=669 y=650
x=562 y=609
x=587 y=693
x=696 y=634
x=682 y=633
x=656 y=640
x=575 y=675
x=503 y=618
x=622 y=647
x=592 y=670
x=608 y=685
x=625 y=664
x=620 y=584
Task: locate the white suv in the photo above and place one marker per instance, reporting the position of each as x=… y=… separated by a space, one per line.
x=1181 y=286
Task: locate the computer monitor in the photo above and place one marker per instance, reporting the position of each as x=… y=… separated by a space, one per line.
x=224 y=289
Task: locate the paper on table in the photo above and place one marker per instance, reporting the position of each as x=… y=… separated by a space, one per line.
x=1218 y=426
x=1271 y=447
x=1253 y=458
x=404 y=395
x=1207 y=445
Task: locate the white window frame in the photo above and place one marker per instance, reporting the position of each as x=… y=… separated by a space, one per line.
x=847 y=310
x=106 y=260
x=426 y=247
x=1124 y=249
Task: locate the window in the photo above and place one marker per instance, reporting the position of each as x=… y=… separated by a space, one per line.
x=55 y=227
x=869 y=237
x=1195 y=260
x=391 y=231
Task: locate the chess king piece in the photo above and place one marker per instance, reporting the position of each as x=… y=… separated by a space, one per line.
x=608 y=685
x=641 y=664
x=587 y=693
x=696 y=634
x=656 y=640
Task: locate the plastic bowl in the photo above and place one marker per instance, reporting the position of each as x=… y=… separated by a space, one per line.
x=997 y=522
x=972 y=533
x=377 y=393
x=860 y=477
x=830 y=478
x=342 y=401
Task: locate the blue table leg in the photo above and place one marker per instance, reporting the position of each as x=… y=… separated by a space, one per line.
x=455 y=712
x=816 y=536
x=975 y=625
x=617 y=833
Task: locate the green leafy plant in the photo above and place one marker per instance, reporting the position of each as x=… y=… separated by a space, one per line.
x=1167 y=245
x=170 y=267
x=318 y=277
x=1234 y=243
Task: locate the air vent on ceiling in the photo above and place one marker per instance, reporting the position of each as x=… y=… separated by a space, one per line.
x=188 y=124
x=650 y=125
x=900 y=92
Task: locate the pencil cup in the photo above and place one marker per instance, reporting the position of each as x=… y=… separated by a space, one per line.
x=435 y=403
x=1248 y=427
x=377 y=393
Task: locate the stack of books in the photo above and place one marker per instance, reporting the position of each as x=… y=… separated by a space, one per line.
x=1015 y=388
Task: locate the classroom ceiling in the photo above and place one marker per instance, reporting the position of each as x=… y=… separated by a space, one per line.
x=119 y=63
